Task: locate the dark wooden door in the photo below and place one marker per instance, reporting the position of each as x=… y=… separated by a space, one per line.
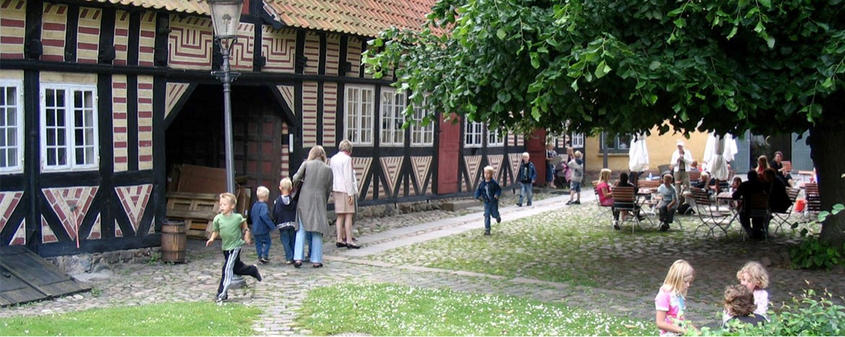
x=257 y=139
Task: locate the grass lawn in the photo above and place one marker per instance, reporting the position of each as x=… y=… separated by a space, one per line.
x=388 y=309
x=577 y=245
x=167 y=319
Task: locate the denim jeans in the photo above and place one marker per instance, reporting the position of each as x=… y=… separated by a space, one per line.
x=550 y=173
x=262 y=245
x=316 y=245
x=526 y=190
x=288 y=238
x=491 y=209
x=667 y=214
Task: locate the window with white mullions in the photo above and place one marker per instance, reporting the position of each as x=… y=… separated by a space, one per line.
x=359 y=114
x=69 y=128
x=495 y=138
x=392 y=118
x=421 y=135
x=11 y=127
x=577 y=140
x=616 y=143
x=473 y=132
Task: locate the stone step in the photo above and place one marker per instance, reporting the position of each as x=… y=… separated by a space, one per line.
x=454 y=205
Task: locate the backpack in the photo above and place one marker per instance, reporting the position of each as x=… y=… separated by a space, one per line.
x=685 y=209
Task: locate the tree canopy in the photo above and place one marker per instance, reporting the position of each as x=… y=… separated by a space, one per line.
x=720 y=65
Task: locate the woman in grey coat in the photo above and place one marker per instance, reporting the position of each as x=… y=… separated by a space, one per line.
x=316 y=185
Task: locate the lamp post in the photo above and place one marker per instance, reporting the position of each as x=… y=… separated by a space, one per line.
x=226 y=15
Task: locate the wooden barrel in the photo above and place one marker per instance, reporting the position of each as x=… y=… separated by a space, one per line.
x=173 y=241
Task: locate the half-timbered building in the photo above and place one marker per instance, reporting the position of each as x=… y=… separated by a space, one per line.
x=100 y=98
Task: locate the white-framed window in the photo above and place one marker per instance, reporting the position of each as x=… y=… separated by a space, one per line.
x=69 y=127
x=421 y=135
x=577 y=140
x=359 y=114
x=392 y=105
x=11 y=126
x=616 y=143
x=495 y=138
x=472 y=133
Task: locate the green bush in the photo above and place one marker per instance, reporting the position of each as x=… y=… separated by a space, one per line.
x=807 y=315
x=813 y=253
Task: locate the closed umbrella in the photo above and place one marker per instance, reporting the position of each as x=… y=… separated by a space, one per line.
x=638 y=154
x=718 y=165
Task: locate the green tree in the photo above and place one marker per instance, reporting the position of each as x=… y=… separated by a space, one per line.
x=624 y=66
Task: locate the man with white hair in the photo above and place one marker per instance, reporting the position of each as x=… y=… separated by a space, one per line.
x=681 y=163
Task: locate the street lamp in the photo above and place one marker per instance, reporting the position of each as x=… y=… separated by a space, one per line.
x=226 y=15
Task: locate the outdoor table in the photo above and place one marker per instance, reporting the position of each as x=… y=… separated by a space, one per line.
x=647 y=202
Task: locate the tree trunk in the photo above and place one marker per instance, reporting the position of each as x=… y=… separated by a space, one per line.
x=826 y=148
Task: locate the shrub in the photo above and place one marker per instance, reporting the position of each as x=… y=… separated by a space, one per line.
x=813 y=253
x=807 y=315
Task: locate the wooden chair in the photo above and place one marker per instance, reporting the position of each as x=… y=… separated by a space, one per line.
x=625 y=199
x=598 y=202
x=694 y=176
x=783 y=218
x=711 y=215
x=814 y=201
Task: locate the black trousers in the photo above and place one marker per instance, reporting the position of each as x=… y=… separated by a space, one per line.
x=753 y=226
x=232 y=266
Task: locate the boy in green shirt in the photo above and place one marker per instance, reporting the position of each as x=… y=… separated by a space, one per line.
x=231 y=227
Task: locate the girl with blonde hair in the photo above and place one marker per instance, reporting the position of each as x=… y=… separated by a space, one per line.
x=670 y=302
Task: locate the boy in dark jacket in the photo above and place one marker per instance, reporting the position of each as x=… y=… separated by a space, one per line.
x=284 y=215
x=527 y=176
x=489 y=192
x=262 y=224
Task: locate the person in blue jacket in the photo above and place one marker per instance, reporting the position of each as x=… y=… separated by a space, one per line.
x=262 y=224
x=526 y=177
x=489 y=191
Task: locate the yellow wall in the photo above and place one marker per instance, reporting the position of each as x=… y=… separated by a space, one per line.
x=660 y=148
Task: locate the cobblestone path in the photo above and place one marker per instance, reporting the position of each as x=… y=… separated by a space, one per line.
x=284 y=287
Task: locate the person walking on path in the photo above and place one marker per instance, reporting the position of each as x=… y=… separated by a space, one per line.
x=551 y=156
x=233 y=231
x=527 y=176
x=315 y=179
x=262 y=224
x=577 y=167
x=681 y=164
x=489 y=191
x=284 y=215
x=344 y=190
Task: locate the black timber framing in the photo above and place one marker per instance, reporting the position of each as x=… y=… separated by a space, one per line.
x=32 y=31
x=378 y=176
x=132 y=122
x=363 y=49
x=32 y=156
x=106 y=52
x=106 y=139
x=321 y=70
x=159 y=196
x=71 y=31
x=134 y=37
x=160 y=57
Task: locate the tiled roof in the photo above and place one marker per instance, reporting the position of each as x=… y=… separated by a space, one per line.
x=362 y=17
x=183 y=6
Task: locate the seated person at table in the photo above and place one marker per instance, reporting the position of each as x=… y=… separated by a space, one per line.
x=706 y=183
x=668 y=202
x=735 y=184
x=746 y=191
x=603 y=188
x=778 y=199
x=782 y=172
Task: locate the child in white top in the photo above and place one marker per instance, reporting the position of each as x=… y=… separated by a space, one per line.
x=755 y=278
x=670 y=302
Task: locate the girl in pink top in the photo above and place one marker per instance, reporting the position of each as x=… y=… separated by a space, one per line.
x=603 y=188
x=670 y=302
x=755 y=278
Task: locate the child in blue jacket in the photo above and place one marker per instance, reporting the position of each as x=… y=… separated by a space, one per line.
x=489 y=192
x=262 y=224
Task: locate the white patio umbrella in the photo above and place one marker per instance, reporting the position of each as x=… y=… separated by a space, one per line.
x=638 y=154
x=714 y=153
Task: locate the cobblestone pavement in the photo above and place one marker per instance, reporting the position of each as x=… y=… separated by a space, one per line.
x=284 y=287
